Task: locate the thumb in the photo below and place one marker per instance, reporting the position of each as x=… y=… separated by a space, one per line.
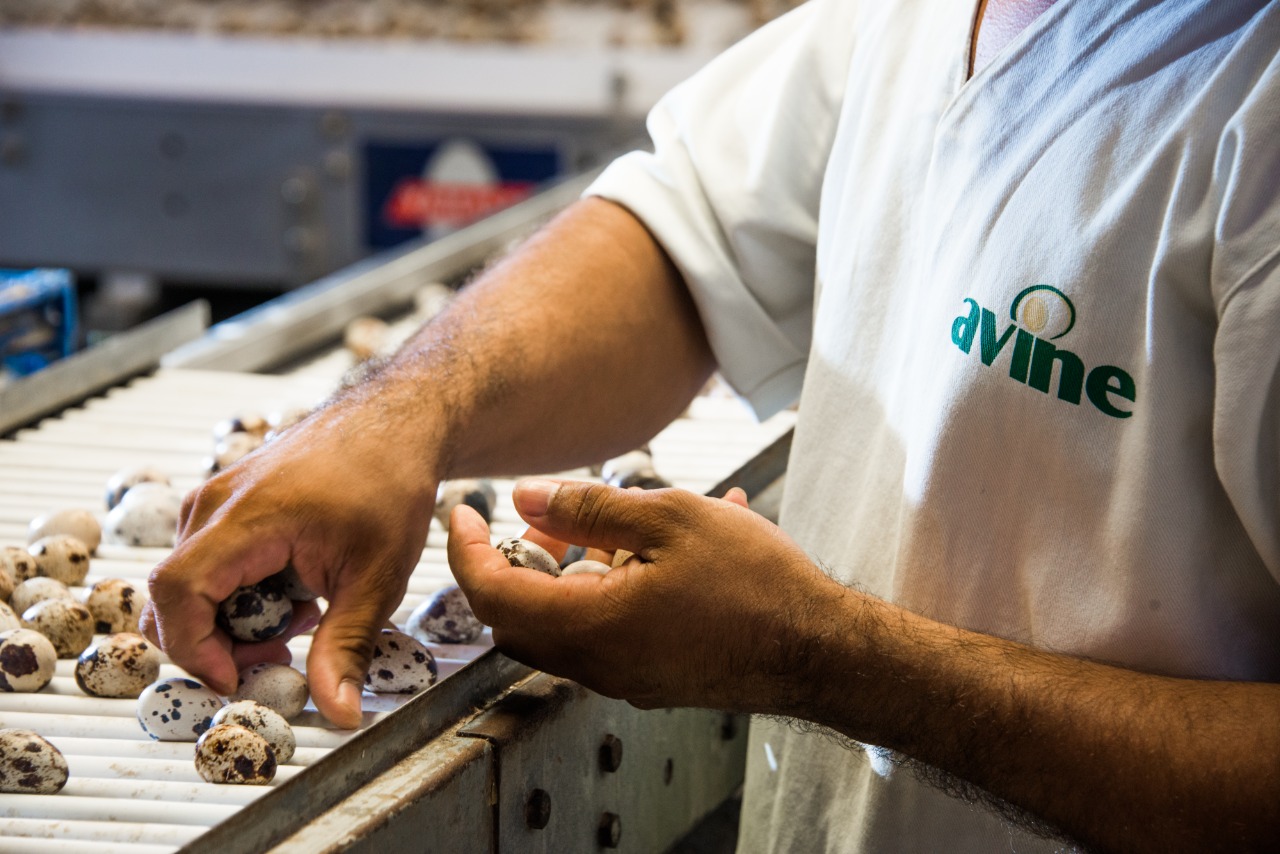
x=341 y=652
x=587 y=513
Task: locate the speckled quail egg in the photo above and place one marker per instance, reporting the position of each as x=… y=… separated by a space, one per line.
x=8 y=618
x=232 y=754
x=81 y=524
x=122 y=481
x=30 y=765
x=35 y=590
x=445 y=618
x=118 y=665
x=276 y=686
x=640 y=478
x=263 y=720
x=229 y=451
x=19 y=563
x=116 y=605
x=579 y=567
x=620 y=557
x=61 y=556
x=400 y=665
x=291 y=584
x=528 y=554
x=246 y=422
x=7 y=582
x=476 y=494
x=620 y=466
x=148 y=516
x=177 y=709
x=366 y=337
x=27 y=661
x=65 y=622
x=256 y=612
x=432 y=299
x=282 y=419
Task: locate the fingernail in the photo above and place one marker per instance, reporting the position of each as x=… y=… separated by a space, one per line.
x=349 y=697
x=308 y=624
x=532 y=497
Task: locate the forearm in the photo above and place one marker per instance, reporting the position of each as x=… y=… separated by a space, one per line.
x=1119 y=760
x=582 y=343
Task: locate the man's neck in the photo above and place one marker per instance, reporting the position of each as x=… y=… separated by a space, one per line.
x=999 y=22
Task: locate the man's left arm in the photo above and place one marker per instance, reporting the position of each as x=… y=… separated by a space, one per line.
x=1116 y=759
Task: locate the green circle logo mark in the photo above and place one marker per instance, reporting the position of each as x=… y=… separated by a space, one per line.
x=1044 y=311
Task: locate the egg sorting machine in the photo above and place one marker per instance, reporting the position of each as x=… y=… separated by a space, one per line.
x=495 y=757
x=266 y=158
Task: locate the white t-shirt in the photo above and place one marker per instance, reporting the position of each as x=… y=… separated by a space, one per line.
x=1033 y=319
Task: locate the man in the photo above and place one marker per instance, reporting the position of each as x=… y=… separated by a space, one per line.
x=1029 y=317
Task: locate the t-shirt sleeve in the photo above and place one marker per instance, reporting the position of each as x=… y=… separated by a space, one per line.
x=1246 y=275
x=732 y=187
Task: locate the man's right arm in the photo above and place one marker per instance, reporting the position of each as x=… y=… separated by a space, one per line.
x=582 y=343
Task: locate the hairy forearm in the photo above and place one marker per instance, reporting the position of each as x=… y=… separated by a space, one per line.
x=1119 y=760
x=583 y=343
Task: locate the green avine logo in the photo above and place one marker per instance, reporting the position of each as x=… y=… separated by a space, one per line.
x=1042 y=314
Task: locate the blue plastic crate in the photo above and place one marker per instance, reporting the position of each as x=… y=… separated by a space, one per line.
x=38 y=319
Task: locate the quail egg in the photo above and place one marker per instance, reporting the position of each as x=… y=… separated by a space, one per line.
x=148 y=516
x=263 y=720
x=476 y=494
x=177 y=709
x=528 y=554
x=8 y=618
x=38 y=589
x=61 y=556
x=27 y=661
x=125 y=479
x=30 y=765
x=256 y=612
x=621 y=466
x=579 y=567
x=276 y=686
x=81 y=524
x=283 y=419
x=400 y=665
x=118 y=665
x=445 y=618
x=19 y=563
x=366 y=337
x=232 y=754
x=7 y=581
x=246 y=422
x=116 y=605
x=65 y=622
x=620 y=557
x=230 y=451
x=432 y=299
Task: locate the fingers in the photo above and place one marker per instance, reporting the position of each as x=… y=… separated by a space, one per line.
x=186 y=589
x=593 y=514
x=736 y=495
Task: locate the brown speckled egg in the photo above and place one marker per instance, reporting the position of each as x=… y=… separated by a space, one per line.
x=626 y=464
x=35 y=590
x=479 y=495
x=27 y=661
x=445 y=618
x=65 y=622
x=282 y=419
x=118 y=665
x=400 y=665
x=256 y=612
x=19 y=563
x=232 y=754
x=116 y=605
x=529 y=555
x=366 y=337
x=30 y=765
x=126 y=479
x=246 y=422
x=61 y=556
x=177 y=709
x=263 y=720
x=81 y=524
x=232 y=449
x=8 y=618
x=579 y=567
x=276 y=686
x=148 y=517
x=7 y=581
